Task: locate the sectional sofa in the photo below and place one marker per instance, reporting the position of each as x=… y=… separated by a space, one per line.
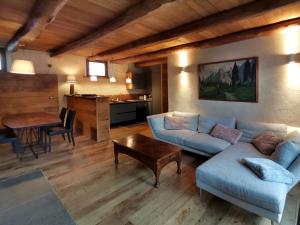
x=223 y=173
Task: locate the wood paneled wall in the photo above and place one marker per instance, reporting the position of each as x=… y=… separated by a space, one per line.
x=28 y=93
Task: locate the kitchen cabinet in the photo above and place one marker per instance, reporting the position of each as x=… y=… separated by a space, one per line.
x=135 y=111
x=139 y=81
x=122 y=112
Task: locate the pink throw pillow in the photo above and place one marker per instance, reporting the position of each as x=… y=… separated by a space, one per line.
x=174 y=123
x=228 y=134
x=266 y=142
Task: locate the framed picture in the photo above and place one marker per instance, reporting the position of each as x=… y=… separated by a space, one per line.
x=231 y=80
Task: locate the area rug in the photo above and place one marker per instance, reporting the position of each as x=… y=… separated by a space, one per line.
x=30 y=200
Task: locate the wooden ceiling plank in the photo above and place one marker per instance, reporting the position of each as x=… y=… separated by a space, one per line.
x=37 y=12
x=238 y=13
x=221 y=40
x=135 y=12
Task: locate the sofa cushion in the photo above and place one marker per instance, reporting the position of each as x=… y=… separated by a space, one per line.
x=191 y=120
x=174 y=123
x=225 y=173
x=266 y=142
x=293 y=137
x=252 y=129
x=294 y=168
x=226 y=134
x=268 y=170
x=175 y=136
x=286 y=152
x=206 y=143
x=206 y=124
x=157 y=123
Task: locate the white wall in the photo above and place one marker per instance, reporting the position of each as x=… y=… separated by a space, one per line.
x=279 y=82
x=75 y=66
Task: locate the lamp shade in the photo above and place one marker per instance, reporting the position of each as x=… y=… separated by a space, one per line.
x=22 y=66
x=71 y=79
x=93 y=78
x=112 y=80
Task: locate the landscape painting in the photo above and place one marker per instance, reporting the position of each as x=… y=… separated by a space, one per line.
x=232 y=80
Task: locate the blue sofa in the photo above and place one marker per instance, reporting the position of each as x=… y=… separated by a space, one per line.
x=223 y=174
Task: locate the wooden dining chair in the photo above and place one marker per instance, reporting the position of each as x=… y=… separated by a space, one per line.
x=67 y=128
x=44 y=129
x=62 y=113
x=8 y=136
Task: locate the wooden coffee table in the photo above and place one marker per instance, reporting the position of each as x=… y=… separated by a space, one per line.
x=153 y=153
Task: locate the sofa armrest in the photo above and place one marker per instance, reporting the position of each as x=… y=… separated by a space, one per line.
x=156 y=122
x=294 y=168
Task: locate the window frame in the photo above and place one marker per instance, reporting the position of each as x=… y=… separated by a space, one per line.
x=3 y=60
x=97 y=61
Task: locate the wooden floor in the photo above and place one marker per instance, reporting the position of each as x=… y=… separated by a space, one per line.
x=95 y=192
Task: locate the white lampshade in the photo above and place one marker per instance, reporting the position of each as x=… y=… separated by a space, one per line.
x=71 y=79
x=93 y=78
x=112 y=80
x=22 y=67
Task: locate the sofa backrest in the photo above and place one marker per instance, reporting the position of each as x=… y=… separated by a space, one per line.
x=157 y=122
x=206 y=124
x=252 y=129
x=191 y=121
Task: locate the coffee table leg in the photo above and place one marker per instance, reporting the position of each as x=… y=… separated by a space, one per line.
x=179 y=164
x=116 y=157
x=157 y=179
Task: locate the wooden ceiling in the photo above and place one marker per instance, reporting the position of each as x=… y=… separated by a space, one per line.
x=64 y=22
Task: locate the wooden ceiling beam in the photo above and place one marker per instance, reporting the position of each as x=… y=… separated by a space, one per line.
x=133 y=13
x=238 y=13
x=229 y=38
x=150 y=63
x=38 y=11
x=35 y=13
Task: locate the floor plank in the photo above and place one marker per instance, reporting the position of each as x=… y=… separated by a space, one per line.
x=97 y=193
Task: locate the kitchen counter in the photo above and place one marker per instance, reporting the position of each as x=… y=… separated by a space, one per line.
x=129 y=101
x=88 y=97
x=92 y=117
x=129 y=111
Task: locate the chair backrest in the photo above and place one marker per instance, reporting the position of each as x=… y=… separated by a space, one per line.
x=62 y=113
x=70 y=119
x=7 y=136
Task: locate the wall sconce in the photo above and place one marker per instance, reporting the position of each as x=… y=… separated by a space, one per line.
x=93 y=78
x=128 y=78
x=112 y=78
x=183 y=69
x=71 y=80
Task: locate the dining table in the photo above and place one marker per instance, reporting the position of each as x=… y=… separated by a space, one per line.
x=29 y=127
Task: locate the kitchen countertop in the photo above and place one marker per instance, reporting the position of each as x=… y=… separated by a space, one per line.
x=87 y=97
x=110 y=102
x=129 y=101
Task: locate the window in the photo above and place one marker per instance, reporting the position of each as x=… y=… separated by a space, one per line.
x=96 y=68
